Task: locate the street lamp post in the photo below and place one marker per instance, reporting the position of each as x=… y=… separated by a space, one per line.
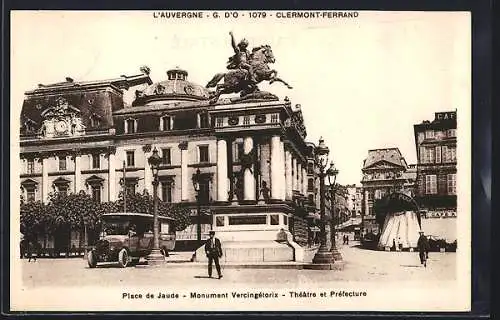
x=196 y=185
x=332 y=173
x=323 y=259
x=155 y=256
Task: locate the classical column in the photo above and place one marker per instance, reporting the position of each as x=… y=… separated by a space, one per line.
x=367 y=211
x=288 y=175
x=45 y=178
x=294 y=174
x=78 y=174
x=265 y=157
x=222 y=181
x=299 y=177
x=184 y=171
x=111 y=174
x=248 y=178
x=276 y=163
x=282 y=169
x=148 y=174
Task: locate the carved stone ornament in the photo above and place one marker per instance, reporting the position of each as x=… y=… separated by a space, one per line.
x=260 y=118
x=189 y=89
x=233 y=121
x=62 y=120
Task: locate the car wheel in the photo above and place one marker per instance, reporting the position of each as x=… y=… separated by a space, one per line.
x=123 y=258
x=91 y=259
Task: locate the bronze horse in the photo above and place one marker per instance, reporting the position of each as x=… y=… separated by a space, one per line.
x=237 y=80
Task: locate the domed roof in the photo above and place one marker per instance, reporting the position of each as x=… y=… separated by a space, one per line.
x=175 y=87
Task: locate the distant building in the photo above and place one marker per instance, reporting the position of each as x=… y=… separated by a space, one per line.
x=384 y=171
x=351 y=199
x=436 y=146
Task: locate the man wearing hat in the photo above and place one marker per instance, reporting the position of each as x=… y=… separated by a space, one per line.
x=213 y=249
x=423 y=248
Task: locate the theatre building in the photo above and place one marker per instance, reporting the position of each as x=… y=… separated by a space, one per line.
x=436 y=145
x=252 y=156
x=384 y=171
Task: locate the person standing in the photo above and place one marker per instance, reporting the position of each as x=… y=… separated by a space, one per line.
x=423 y=248
x=213 y=250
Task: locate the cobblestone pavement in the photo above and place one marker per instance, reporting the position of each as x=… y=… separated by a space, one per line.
x=360 y=265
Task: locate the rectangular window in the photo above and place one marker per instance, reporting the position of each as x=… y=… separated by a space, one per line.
x=285 y=220
x=62 y=163
x=204 y=191
x=219 y=122
x=430 y=184
x=165 y=156
x=449 y=154
x=275 y=219
x=96 y=193
x=310 y=168
x=431 y=155
x=421 y=137
x=453 y=154
x=310 y=185
x=203 y=152
x=30 y=194
x=422 y=155
x=96 y=161
x=130 y=159
x=246 y=120
x=238 y=151
x=31 y=166
x=219 y=221
x=63 y=189
x=429 y=134
x=165 y=123
x=130 y=188
x=166 y=191
x=450 y=133
x=451 y=183
x=204 y=123
x=438 y=154
x=130 y=126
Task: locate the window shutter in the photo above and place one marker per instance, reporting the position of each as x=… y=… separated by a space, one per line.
x=438 y=154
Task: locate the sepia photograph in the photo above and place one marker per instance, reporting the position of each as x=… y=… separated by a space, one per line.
x=240 y=161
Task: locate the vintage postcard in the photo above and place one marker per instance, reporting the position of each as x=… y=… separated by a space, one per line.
x=240 y=161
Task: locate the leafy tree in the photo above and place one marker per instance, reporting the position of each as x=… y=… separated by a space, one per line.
x=32 y=218
x=143 y=203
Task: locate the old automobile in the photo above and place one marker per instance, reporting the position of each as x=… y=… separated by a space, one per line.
x=126 y=237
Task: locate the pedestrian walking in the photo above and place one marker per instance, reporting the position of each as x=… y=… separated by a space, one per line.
x=423 y=248
x=347 y=239
x=213 y=249
x=31 y=250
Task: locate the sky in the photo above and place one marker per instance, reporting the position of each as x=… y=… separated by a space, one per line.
x=362 y=82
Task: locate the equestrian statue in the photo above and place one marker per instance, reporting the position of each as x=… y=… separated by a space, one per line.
x=246 y=70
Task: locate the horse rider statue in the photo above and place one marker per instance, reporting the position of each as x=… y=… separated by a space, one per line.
x=241 y=58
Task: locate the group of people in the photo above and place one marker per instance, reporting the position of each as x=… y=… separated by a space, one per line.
x=29 y=249
x=345 y=239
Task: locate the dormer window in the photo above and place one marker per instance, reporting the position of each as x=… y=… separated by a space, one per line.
x=130 y=125
x=166 y=123
x=203 y=120
x=95 y=120
x=62 y=163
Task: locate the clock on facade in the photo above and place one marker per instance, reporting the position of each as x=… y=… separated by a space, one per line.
x=61 y=126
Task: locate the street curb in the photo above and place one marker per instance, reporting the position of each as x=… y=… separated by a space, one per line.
x=338 y=266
